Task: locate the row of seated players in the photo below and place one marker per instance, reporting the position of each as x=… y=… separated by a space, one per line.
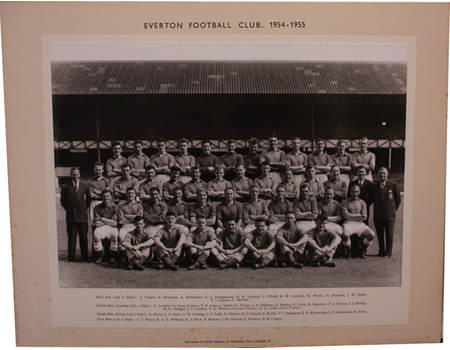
x=173 y=244
x=114 y=222
x=274 y=156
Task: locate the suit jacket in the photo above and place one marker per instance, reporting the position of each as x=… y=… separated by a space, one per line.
x=366 y=193
x=386 y=201
x=75 y=204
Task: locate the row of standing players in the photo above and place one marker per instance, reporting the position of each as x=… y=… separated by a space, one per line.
x=267 y=199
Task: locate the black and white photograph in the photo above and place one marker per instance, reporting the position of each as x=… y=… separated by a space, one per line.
x=226 y=175
x=230 y=165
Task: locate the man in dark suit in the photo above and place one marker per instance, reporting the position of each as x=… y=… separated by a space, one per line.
x=386 y=202
x=366 y=189
x=75 y=199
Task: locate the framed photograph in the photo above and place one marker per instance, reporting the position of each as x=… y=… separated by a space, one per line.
x=127 y=121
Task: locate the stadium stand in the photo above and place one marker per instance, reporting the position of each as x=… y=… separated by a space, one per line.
x=97 y=102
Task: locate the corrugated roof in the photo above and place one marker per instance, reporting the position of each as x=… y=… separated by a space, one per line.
x=228 y=77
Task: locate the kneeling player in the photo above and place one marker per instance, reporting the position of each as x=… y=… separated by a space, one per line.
x=230 y=250
x=199 y=243
x=170 y=240
x=292 y=242
x=137 y=245
x=322 y=244
x=261 y=245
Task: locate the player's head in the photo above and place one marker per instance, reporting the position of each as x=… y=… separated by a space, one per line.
x=229 y=194
x=240 y=171
x=183 y=144
x=296 y=143
x=320 y=144
x=290 y=218
x=310 y=172
x=116 y=148
x=354 y=191
x=305 y=191
x=320 y=222
x=280 y=192
x=254 y=191
x=150 y=170
x=273 y=141
x=137 y=145
x=177 y=193
x=155 y=194
x=219 y=171
x=363 y=144
x=138 y=222
x=231 y=145
x=260 y=225
x=175 y=173
x=98 y=169
x=131 y=193
x=287 y=174
x=126 y=170
x=265 y=167
x=201 y=222
x=341 y=146
x=202 y=195
x=161 y=144
x=170 y=218
x=230 y=224
x=329 y=194
x=206 y=146
x=195 y=173
x=335 y=171
x=106 y=196
x=253 y=144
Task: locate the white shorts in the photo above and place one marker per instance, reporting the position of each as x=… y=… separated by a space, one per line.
x=333 y=227
x=103 y=232
x=352 y=227
x=276 y=225
x=305 y=225
x=151 y=229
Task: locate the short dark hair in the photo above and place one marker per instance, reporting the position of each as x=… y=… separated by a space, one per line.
x=321 y=217
x=253 y=141
x=177 y=188
x=154 y=189
x=106 y=191
x=137 y=142
x=116 y=143
x=138 y=218
x=99 y=164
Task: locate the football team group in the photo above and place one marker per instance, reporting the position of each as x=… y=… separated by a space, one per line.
x=259 y=209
